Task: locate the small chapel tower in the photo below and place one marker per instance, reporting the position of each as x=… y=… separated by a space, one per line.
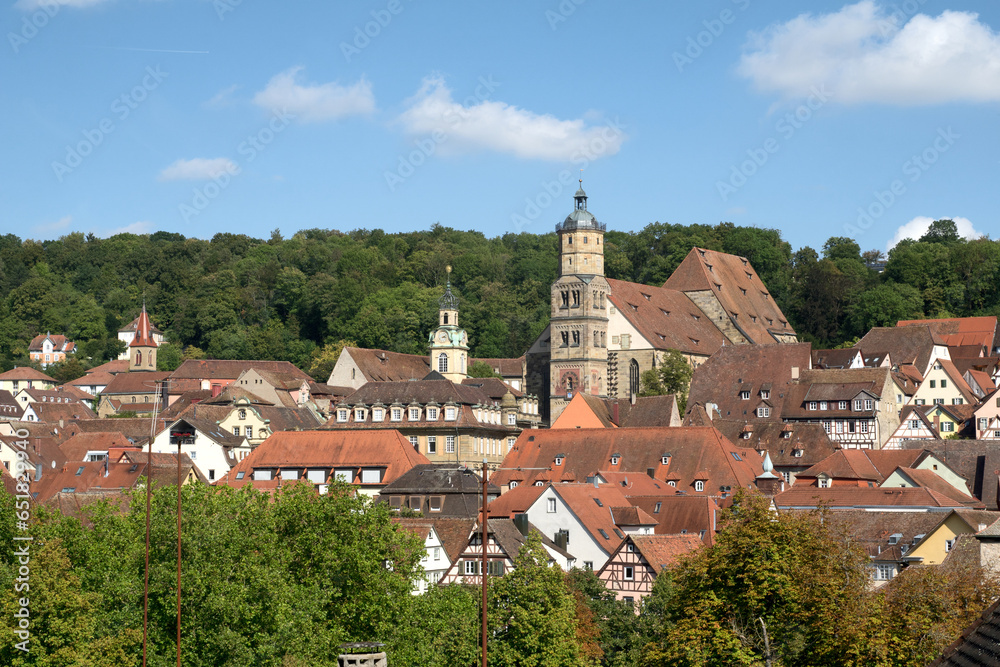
x=449 y=345
x=142 y=349
x=578 y=352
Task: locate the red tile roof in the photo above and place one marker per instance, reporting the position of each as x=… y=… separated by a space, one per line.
x=76 y=447
x=906 y=345
x=227 y=369
x=143 y=332
x=387 y=450
x=666 y=318
x=27 y=373
x=384 y=366
x=137 y=382
x=679 y=514
x=516 y=500
x=587 y=451
x=739 y=289
x=859 y=497
x=960 y=331
x=505 y=367
x=665 y=551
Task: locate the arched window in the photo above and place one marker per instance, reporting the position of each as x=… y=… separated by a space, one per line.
x=445 y=318
x=442 y=363
x=138 y=357
x=633 y=377
x=149 y=359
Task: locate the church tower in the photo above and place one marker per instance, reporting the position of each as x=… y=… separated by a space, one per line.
x=449 y=345
x=142 y=349
x=578 y=353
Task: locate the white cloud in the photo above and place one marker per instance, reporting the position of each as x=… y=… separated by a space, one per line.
x=138 y=228
x=315 y=102
x=53 y=228
x=917 y=227
x=222 y=98
x=197 y=169
x=53 y=5
x=500 y=127
x=865 y=53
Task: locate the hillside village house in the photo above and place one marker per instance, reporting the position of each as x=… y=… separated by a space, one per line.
x=25 y=378
x=943 y=384
x=214 y=450
x=47 y=349
x=632 y=568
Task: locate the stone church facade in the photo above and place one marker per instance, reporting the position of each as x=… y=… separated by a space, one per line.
x=604 y=333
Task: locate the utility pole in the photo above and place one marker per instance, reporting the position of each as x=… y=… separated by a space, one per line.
x=485 y=567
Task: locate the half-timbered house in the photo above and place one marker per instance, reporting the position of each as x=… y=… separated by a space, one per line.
x=634 y=565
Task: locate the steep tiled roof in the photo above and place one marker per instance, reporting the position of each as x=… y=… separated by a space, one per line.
x=846 y=464
x=586 y=451
x=649 y=411
x=810 y=441
x=906 y=345
x=144 y=382
x=111 y=476
x=134 y=324
x=143 y=331
x=664 y=551
x=958 y=380
x=838 y=497
x=737 y=368
x=76 y=447
x=592 y=506
x=666 y=318
x=27 y=373
x=928 y=479
x=680 y=514
x=439 y=478
x=94 y=378
x=10 y=408
x=977 y=461
x=384 y=366
x=492 y=387
x=959 y=331
x=631 y=515
x=61 y=394
x=331 y=449
x=453 y=533
x=834 y=358
x=637 y=483
x=506 y=367
x=53 y=413
x=977 y=647
x=735 y=283
x=516 y=500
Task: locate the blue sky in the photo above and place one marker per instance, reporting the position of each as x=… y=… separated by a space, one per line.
x=198 y=116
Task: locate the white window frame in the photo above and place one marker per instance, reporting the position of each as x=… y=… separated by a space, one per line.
x=813 y=405
x=414 y=414
x=341 y=415
x=449 y=444
x=699 y=485
x=359 y=414
x=378 y=414
x=432 y=414
x=432 y=444
x=396 y=414
x=550 y=506
x=450 y=413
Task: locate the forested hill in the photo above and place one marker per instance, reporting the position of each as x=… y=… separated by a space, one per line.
x=243 y=298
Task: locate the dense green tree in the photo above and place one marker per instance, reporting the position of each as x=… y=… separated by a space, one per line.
x=671 y=376
x=531 y=614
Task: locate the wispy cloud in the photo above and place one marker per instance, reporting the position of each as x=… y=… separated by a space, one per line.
x=864 y=53
x=917 y=227
x=315 y=102
x=198 y=169
x=500 y=127
x=222 y=98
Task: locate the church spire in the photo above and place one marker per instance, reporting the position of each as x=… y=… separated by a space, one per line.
x=449 y=345
x=142 y=349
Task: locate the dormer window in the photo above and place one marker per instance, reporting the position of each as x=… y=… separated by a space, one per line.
x=615 y=460
x=822 y=405
x=665 y=459
x=432 y=414
x=699 y=485
x=378 y=414
x=672 y=483
x=342 y=415
x=396 y=414
x=813 y=405
x=786 y=435
x=450 y=414
x=359 y=414
x=242 y=414
x=745 y=395
x=765 y=394
x=414 y=414
x=559 y=460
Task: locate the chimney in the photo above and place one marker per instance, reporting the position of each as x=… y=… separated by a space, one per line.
x=521 y=523
x=596 y=485
x=795 y=372
x=651 y=472
x=633 y=399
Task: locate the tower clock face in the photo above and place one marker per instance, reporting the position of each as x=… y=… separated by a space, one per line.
x=443 y=337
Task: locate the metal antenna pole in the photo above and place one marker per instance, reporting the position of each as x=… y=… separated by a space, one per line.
x=149 y=492
x=179 y=441
x=484 y=566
